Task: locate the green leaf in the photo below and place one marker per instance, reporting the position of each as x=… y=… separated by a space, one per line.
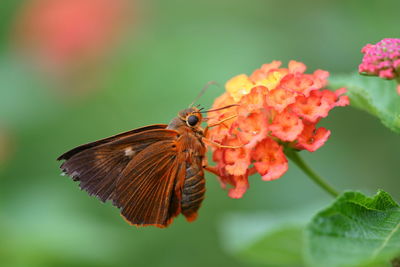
x=281 y=247
x=373 y=95
x=267 y=239
x=355 y=230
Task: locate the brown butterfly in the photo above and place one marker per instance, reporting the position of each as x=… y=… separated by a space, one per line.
x=152 y=174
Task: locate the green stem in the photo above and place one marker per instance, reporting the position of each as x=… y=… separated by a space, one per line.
x=295 y=157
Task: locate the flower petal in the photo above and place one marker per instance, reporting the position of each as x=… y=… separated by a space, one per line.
x=253 y=101
x=322 y=76
x=270 y=161
x=241 y=184
x=239 y=86
x=301 y=84
x=218 y=133
x=318 y=104
x=296 y=67
x=252 y=128
x=236 y=160
x=286 y=126
x=274 y=65
x=311 y=138
x=280 y=98
x=311 y=108
x=262 y=73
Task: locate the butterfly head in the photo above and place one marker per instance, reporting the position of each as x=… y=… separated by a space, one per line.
x=191 y=116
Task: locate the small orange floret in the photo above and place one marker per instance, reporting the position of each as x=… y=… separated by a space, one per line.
x=280 y=98
x=239 y=86
x=253 y=101
x=296 y=67
x=278 y=109
x=318 y=104
x=270 y=161
x=236 y=160
x=240 y=185
x=251 y=129
x=286 y=126
x=217 y=134
x=300 y=84
x=311 y=138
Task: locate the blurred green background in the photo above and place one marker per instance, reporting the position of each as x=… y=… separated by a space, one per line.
x=73 y=71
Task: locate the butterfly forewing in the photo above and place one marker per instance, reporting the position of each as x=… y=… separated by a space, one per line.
x=67 y=155
x=98 y=165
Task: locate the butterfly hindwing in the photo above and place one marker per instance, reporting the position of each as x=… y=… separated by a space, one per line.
x=148 y=191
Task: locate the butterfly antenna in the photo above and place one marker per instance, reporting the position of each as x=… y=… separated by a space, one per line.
x=204 y=90
x=217 y=109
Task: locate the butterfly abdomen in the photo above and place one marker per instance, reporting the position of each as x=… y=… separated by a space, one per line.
x=193 y=191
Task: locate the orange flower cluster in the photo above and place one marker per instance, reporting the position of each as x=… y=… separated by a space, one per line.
x=277 y=109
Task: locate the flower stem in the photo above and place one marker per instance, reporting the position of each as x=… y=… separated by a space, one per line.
x=295 y=157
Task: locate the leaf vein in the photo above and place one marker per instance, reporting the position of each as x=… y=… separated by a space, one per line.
x=386 y=241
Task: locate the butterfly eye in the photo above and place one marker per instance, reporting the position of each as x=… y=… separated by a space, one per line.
x=192 y=120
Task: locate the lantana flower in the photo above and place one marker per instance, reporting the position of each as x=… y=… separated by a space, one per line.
x=276 y=109
x=382 y=59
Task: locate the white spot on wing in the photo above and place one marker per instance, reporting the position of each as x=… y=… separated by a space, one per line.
x=129 y=152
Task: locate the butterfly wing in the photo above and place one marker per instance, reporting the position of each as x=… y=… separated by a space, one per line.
x=149 y=189
x=98 y=166
x=67 y=155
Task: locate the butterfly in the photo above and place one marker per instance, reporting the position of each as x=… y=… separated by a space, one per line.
x=152 y=174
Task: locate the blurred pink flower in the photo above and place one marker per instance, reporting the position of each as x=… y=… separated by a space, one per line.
x=61 y=33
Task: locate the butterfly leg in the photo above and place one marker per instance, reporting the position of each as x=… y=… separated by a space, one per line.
x=212 y=143
x=212 y=169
